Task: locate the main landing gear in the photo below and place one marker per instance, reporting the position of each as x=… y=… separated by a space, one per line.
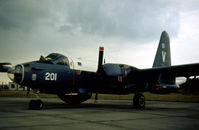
x=36 y=104
x=139 y=101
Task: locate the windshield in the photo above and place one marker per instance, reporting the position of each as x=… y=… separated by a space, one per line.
x=55 y=58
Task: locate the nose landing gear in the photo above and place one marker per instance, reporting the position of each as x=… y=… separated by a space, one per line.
x=36 y=104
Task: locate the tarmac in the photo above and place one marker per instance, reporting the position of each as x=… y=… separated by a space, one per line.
x=107 y=114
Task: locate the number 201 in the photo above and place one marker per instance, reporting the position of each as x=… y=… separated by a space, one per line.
x=51 y=76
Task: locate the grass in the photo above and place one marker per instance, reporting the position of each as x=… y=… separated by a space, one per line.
x=24 y=94
x=176 y=97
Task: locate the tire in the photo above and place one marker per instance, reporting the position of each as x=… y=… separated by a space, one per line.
x=35 y=104
x=139 y=101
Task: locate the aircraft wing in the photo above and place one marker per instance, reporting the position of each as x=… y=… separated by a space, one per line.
x=3 y=67
x=185 y=70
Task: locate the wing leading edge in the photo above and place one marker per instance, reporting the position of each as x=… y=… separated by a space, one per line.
x=185 y=70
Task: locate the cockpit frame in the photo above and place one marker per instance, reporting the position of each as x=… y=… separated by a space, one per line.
x=55 y=58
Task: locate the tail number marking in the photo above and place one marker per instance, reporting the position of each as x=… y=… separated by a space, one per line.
x=51 y=76
x=163 y=53
x=164 y=56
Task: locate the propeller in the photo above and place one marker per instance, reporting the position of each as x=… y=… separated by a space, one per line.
x=100 y=67
x=100 y=59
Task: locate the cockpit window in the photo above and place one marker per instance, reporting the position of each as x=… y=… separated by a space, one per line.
x=52 y=56
x=55 y=58
x=61 y=60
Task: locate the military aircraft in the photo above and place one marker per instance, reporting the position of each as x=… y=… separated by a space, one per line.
x=57 y=74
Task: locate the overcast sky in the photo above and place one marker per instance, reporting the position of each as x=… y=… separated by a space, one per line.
x=128 y=29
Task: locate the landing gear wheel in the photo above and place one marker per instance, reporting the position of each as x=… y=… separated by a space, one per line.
x=35 y=104
x=139 y=101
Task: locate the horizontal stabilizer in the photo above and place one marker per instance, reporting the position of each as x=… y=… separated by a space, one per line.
x=5 y=63
x=3 y=67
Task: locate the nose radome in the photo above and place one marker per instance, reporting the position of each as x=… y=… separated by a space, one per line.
x=11 y=73
x=16 y=73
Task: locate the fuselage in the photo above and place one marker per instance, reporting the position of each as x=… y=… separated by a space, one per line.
x=51 y=78
x=57 y=73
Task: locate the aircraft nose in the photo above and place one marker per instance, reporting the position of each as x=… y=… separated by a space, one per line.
x=16 y=73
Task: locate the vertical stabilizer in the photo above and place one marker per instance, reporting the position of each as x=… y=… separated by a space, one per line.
x=163 y=54
x=100 y=59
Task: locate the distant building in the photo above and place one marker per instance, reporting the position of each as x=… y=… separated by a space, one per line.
x=16 y=87
x=4 y=86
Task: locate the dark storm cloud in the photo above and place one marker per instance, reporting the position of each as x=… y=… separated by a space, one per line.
x=126 y=19
x=22 y=14
x=130 y=19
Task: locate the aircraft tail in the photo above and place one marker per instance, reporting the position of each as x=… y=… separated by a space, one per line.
x=165 y=80
x=163 y=54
